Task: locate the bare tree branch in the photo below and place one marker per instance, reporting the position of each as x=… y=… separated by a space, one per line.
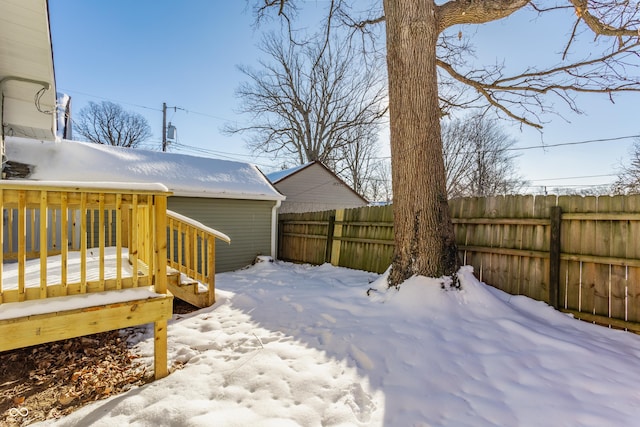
x=477 y=158
x=312 y=101
x=629 y=173
x=475 y=12
x=600 y=17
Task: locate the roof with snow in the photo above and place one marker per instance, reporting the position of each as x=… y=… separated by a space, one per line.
x=280 y=175
x=185 y=175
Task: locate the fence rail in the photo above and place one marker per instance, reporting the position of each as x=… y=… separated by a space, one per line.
x=579 y=254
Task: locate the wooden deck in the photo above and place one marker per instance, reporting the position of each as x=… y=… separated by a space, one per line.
x=78 y=260
x=41 y=219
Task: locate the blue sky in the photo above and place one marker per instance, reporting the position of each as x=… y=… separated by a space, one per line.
x=143 y=53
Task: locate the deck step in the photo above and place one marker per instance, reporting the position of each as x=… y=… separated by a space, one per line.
x=185 y=288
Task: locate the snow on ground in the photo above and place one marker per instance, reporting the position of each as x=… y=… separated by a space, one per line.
x=289 y=345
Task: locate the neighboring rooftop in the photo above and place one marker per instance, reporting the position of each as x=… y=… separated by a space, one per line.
x=274 y=177
x=185 y=175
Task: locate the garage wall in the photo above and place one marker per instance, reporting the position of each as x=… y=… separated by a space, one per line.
x=246 y=222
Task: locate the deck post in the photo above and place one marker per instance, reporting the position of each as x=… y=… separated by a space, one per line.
x=211 y=265
x=160 y=349
x=160 y=285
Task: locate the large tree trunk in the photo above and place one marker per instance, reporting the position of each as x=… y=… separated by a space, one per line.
x=424 y=239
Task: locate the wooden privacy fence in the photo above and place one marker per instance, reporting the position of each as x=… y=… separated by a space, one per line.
x=579 y=254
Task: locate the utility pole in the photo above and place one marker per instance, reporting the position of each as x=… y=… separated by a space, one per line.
x=172 y=129
x=164 y=126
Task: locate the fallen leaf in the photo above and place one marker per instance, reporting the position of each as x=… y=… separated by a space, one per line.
x=66 y=398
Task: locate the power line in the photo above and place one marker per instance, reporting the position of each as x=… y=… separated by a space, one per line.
x=208 y=152
x=111 y=99
x=531 y=147
x=543 y=146
x=187 y=110
x=573 y=177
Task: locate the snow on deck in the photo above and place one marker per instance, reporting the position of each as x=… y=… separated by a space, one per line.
x=72 y=302
x=54 y=275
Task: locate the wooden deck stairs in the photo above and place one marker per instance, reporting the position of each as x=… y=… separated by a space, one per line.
x=191 y=249
x=184 y=286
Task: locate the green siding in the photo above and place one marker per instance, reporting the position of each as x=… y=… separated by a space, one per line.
x=246 y=222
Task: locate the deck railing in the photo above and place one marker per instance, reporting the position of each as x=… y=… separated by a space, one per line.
x=191 y=251
x=106 y=226
x=83 y=239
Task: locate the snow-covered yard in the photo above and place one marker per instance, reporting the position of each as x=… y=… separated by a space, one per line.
x=301 y=345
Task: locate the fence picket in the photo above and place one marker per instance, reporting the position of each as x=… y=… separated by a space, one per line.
x=632 y=291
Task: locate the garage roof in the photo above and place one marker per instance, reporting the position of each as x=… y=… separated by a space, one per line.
x=184 y=175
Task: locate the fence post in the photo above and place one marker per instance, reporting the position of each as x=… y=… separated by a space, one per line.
x=327 y=251
x=554 y=256
x=337 y=234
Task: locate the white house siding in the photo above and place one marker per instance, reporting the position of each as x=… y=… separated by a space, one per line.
x=246 y=222
x=315 y=189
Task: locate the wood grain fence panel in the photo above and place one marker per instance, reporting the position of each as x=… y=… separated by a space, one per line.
x=633 y=252
x=385 y=252
x=489 y=239
x=517 y=210
x=632 y=293
x=515 y=232
x=483 y=238
x=349 y=251
x=540 y=284
x=542 y=210
x=456 y=207
x=473 y=259
x=618 y=238
x=464 y=232
x=510 y=240
x=304 y=237
x=367 y=238
x=496 y=207
x=549 y=209
x=602 y=272
x=570 y=271
x=529 y=264
x=588 y=247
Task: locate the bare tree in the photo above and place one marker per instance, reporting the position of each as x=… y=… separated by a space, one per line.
x=355 y=162
x=312 y=101
x=629 y=173
x=108 y=123
x=378 y=186
x=478 y=158
x=422 y=48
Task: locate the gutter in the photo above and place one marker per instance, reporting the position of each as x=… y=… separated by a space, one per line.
x=274 y=229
